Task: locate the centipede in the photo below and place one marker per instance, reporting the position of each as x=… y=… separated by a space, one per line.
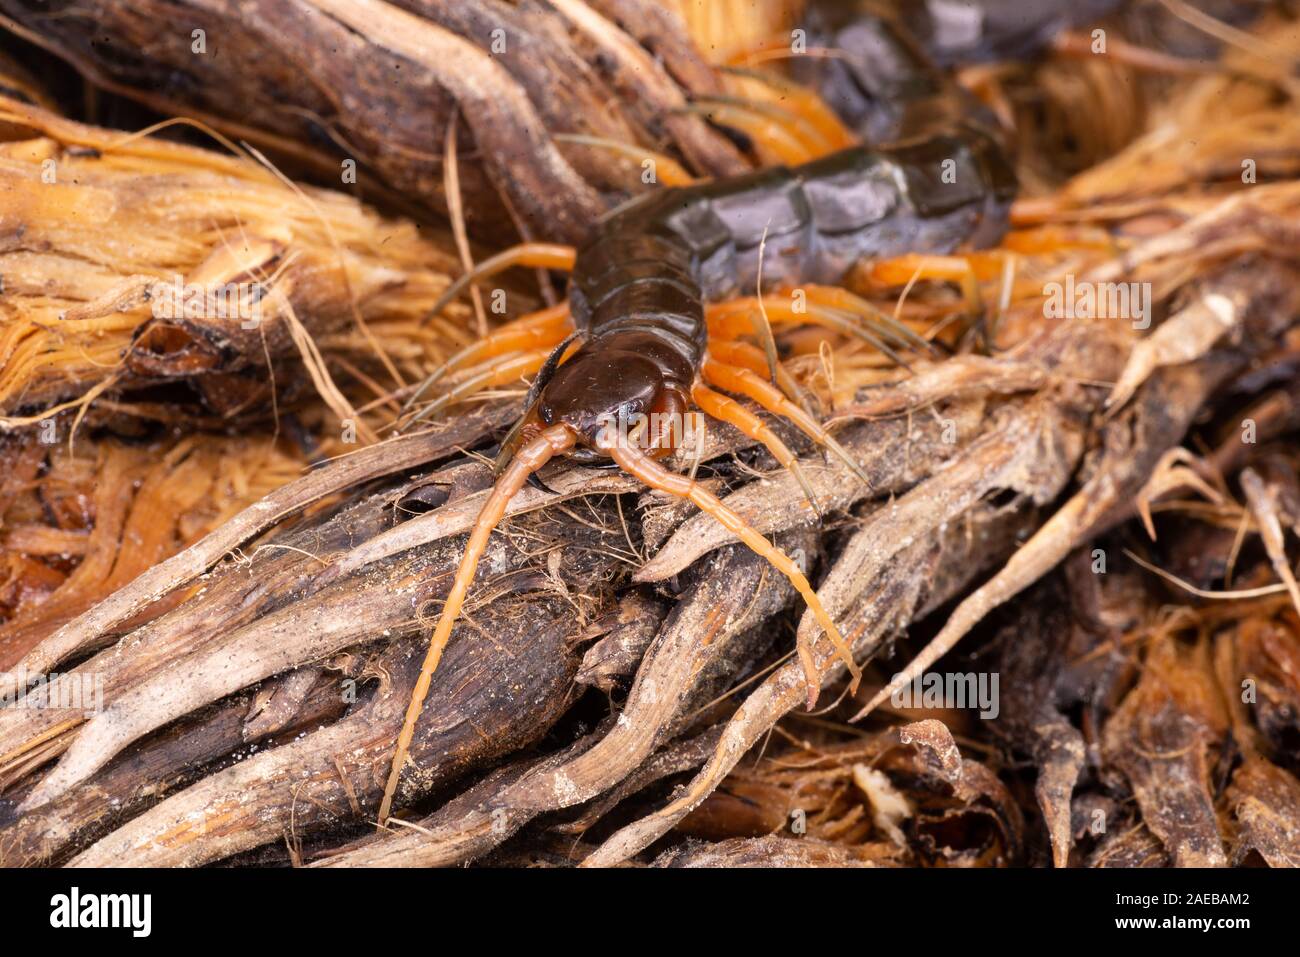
x=641 y=338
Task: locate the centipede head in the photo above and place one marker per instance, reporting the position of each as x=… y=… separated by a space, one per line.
x=601 y=389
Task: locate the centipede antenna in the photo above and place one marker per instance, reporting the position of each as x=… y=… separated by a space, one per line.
x=531 y=457
x=643 y=468
x=543 y=255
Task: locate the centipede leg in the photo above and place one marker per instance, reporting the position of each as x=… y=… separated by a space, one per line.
x=504 y=372
x=792 y=123
x=963 y=270
x=956 y=269
x=737 y=353
x=836 y=298
x=731 y=319
x=538 y=255
x=746 y=383
x=529 y=459
x=803 y=102
x=537 y=330
x=1057 y=238
x=533 y=331
x=640 y=466
x=726 y=409
x=668 y=172
x=773 y=134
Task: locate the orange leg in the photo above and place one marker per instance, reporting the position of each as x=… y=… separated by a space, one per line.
x=965 y=271
x=746 y=383
x=731 y=319
x=742 y=354
x=737 y=353
x=668 y=172
x=771 y=133
x=833 y=297
x=540 y=255
x=794 y=123
x=504 y=372
x=1030 y=211
x=544 y=329
x=728 y=410
x=748 y=356
x=1044 y=240
x=804 y=103
x=531 y=457
x=774 y=47
x=641 y=467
